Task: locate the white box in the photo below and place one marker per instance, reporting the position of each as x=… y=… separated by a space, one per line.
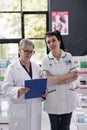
x=82 y=126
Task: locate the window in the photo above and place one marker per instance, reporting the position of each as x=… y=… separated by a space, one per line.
x=34 y=5
x=10 y=25
x=36 y=27
x=23 y=19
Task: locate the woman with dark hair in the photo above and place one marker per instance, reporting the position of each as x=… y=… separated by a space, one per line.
x=61 y=72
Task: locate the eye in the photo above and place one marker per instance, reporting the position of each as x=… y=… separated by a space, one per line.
x=48 y=42
x=53 y=40
x=29 y=52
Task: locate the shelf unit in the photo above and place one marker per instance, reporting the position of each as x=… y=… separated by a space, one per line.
x=81 y=110
x=4 y=108
x=4 y=102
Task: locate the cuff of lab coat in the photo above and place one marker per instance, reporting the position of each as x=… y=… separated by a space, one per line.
x=15 y=93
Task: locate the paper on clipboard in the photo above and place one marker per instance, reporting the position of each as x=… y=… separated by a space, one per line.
x=37 y=87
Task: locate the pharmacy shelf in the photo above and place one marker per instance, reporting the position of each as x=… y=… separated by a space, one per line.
x=4 y=110
x=83 y=87
x=83 y=72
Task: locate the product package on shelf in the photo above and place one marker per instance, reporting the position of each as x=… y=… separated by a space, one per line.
x=3 y=65
x=81 y=100
x=83 y=68
x=79 y=115
x=82 y=126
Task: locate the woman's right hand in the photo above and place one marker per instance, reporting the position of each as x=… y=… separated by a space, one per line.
x=73 y=74
x=22 y=90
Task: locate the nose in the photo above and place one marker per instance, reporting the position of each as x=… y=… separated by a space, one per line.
x=51 y=43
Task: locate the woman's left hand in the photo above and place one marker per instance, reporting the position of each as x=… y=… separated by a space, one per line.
x=45 y=95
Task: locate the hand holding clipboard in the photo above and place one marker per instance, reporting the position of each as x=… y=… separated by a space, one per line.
x=37 y=88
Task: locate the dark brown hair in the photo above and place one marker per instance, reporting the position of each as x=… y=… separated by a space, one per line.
x=54 y=33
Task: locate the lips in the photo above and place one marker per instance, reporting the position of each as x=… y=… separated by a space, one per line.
x=52 y=47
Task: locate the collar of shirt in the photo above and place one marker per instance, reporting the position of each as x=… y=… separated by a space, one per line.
x=51 y=57
x=29 y=73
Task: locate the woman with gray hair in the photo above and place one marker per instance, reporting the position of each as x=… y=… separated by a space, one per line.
x=24 y=114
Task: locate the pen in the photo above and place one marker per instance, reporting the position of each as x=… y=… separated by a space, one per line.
x=52 y=91
x=71 y=89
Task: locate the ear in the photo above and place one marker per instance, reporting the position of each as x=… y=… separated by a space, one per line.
x=19 y=50
x=59 y=42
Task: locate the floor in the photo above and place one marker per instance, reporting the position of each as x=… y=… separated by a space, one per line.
x=45 y=119
x=4 y=127
x=45 y=124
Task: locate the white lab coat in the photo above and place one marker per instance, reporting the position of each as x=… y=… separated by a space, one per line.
x=62 y=100
x=24 y=114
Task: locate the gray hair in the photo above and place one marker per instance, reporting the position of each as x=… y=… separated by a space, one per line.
x=24 y=42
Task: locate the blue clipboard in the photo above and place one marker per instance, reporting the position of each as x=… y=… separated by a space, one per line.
x=37 y=88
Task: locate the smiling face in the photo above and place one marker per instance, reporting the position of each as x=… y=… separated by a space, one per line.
x=53 y=43
x=26 y=53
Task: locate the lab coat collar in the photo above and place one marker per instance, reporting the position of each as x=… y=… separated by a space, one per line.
x=20 y=67
x=19 y=63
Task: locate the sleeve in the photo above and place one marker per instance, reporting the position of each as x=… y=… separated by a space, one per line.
x=44 y=65
x=73 y=66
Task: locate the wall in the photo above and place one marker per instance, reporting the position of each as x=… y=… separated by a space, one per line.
x=76 y=41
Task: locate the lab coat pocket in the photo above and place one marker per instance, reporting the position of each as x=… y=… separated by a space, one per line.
x=18 y=111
